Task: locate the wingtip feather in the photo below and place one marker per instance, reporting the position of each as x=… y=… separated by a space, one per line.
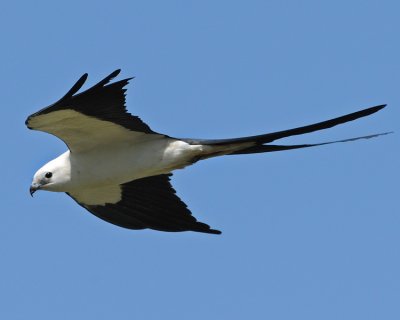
x=75 y=88
x=107 y=79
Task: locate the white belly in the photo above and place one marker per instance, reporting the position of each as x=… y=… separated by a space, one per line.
x=123 y=163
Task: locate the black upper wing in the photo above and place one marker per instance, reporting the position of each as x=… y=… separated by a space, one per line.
x=145 y=203
x=94 y=117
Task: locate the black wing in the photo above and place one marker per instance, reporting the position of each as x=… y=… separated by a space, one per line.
x=144 y=203
x=92 y=118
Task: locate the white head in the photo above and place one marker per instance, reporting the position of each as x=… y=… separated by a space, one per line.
x=53 y=176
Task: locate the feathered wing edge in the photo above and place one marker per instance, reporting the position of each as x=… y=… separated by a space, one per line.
x=148 y=203
x=103 y=101
x=74 y=89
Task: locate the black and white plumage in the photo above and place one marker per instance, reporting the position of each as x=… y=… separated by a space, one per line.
x=119 y=169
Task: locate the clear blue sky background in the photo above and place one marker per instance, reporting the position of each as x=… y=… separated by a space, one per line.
x=307 y=234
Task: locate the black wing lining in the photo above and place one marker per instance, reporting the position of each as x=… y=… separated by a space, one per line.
x=103 y=101
x=151 y=203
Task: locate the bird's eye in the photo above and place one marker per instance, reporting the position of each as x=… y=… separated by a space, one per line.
x=48 y=175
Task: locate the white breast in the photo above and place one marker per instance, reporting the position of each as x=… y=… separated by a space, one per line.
x=125 y=162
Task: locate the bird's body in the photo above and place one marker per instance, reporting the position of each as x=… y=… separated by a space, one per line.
x=118 y=168
x=132 y=161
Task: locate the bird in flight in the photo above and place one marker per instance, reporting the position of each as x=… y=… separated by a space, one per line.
x=119 y=169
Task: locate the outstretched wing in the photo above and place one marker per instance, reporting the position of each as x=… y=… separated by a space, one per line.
x=92 y=118
x=140 y=204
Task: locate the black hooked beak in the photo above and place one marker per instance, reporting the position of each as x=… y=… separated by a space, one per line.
x=33 y=188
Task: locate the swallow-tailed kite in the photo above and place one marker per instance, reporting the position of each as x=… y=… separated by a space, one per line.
x=119 y=169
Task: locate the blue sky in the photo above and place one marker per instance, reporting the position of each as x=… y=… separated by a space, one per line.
x=307 y=234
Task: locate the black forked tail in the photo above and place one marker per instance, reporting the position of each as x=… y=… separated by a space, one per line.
x=260 y=141
x=272 y=147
